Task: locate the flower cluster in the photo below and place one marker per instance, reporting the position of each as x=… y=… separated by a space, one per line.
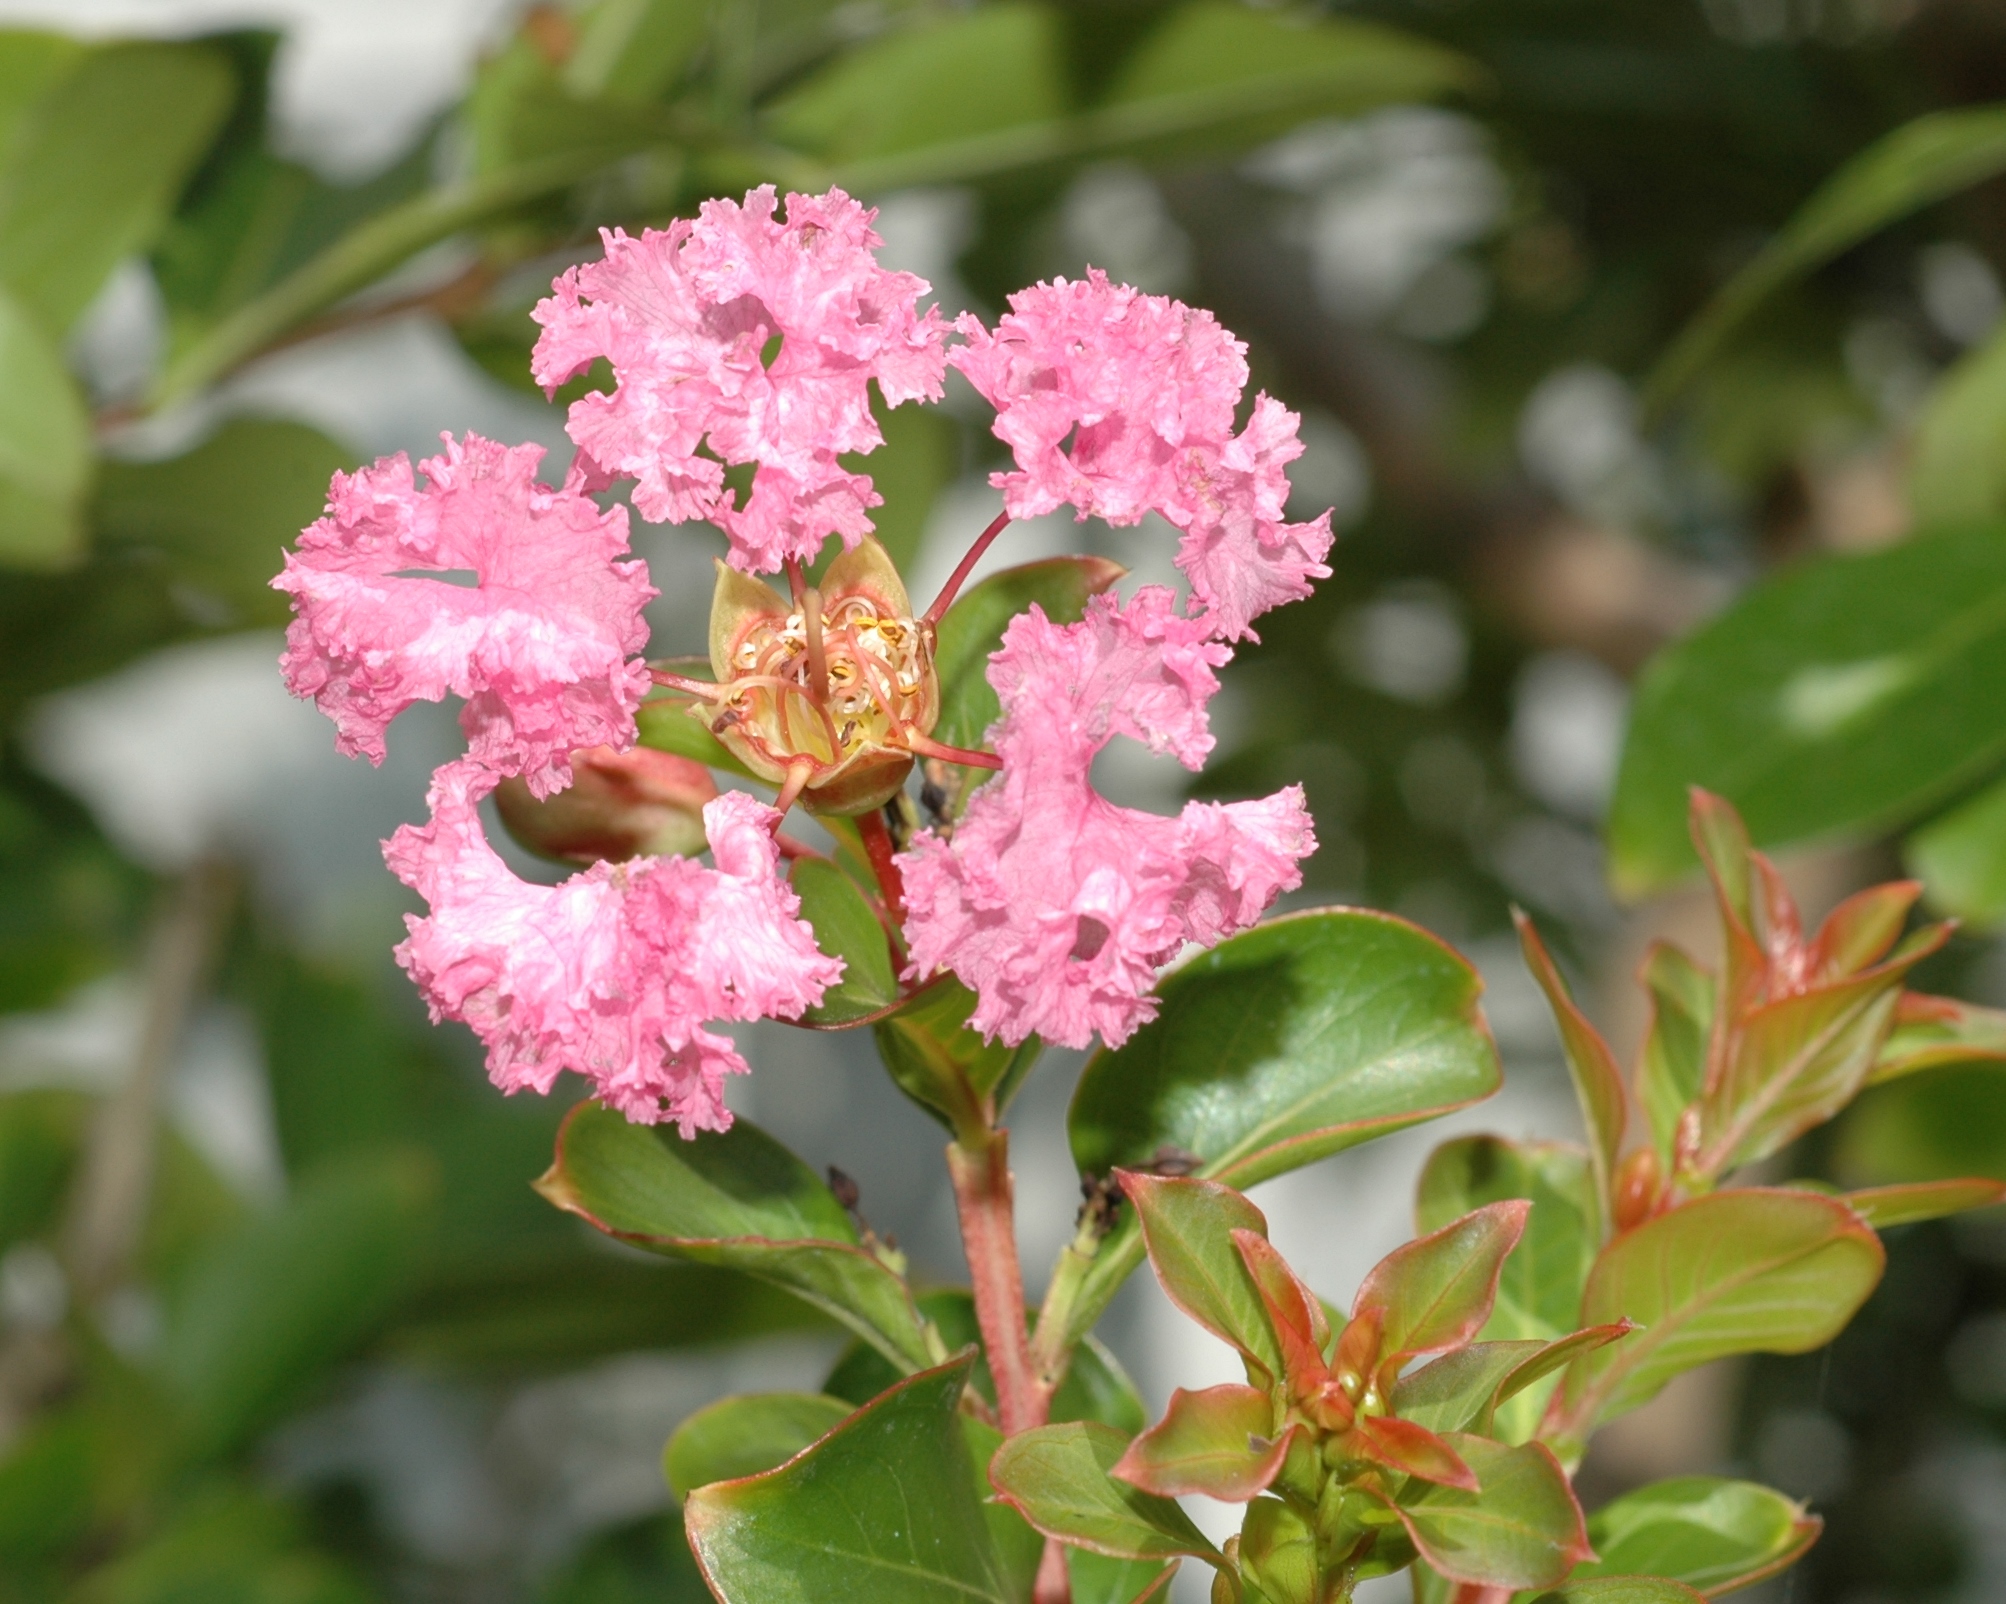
x=743 y=337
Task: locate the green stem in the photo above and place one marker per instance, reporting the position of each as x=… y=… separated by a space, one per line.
x=357 y=260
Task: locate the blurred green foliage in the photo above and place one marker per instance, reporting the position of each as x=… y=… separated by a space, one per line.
x=1651 y=160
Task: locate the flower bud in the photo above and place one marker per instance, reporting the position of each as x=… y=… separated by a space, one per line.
x=619 y=805
x=835 y=683
x=1639 y=1180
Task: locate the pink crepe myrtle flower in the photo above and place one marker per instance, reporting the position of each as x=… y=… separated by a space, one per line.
x=539 y=646
x=1055 y=906
x=1120 y=404
x=686 y=315
x=615 y=972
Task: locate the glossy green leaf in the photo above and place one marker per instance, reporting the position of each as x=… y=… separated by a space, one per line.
x=1960 y=857
x=1436 y=1292
x=1598 y=1083
x=1019 y=1547
x=667 y=726
x=1100 y=1579
x=1915 y=166
x=1057 y=1477
x=1522 y=1530
x=1539 y=1290
x=1843 y=696
x=883 y=1507
x=269 y=1306
x=1672 y=1067
x=735 y=1198
x=744 y=1436
x=1883 y=1206
x=1292 y=1041
x=1712 y=1534
x=956 y=76
x=945 y=1067
x=220 y=517
x=1298 y=1039
x=45 y=447
x=1234 y=74
x=1760 y=1270
x=845 y=928
x=1621 y=1590
x=1187 y=1227
x=1219 y=1442
x=96 y=167
x=973 y=628
x=1455 y=1392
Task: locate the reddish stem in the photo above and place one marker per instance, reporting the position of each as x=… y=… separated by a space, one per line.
x=984 y=1198
x=955 y=580
x=879 y=849
x=1053 y=1585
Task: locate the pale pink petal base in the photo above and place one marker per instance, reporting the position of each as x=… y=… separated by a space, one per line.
x=616 y=972
x=1057 y=907
x=540 y=644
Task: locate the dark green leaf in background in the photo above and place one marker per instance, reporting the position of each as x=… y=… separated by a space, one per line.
x=95 y=167
x=1843 y=696
x=45 y=447
x=1960 y=856
x=268 y=1307
x=221 y=517
x=1918 y=164
x=884 y=1508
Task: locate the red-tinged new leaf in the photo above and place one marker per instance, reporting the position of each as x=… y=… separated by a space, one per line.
x=1299 y=1323
x=1412 y=1450
x=1217 y=1442
x=1795 y=1062
x=1671 y=1069
x=1722 y=840
x=1883 y=1206
x=1524 y=1530
x=1597 y=1081
x=1187 y=1228
x=1933 y=1031
x=1757 y=1270
x=1862 y=929
x=1563 y=1351
x=1436 y=1292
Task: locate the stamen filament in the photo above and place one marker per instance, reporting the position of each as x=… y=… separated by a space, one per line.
x=927 y=747
x=955 y=580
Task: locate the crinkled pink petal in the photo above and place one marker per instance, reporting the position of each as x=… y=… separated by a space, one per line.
x=1120 y=404
x=1134 y=380
x=686 y=315
x=614 y=973
x=539 y=646
x=1057 y=907
x=1238 y=552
